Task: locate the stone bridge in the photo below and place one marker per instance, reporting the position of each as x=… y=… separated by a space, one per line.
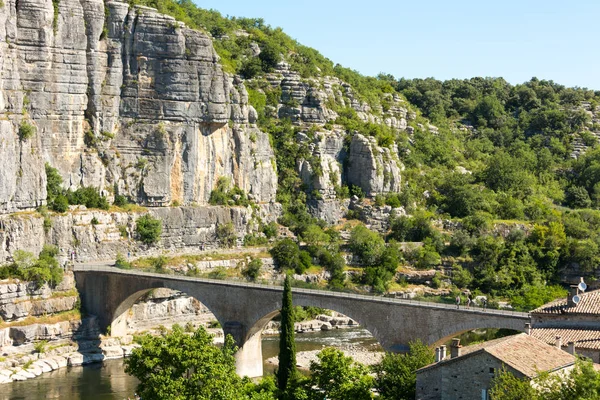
x=243 y=309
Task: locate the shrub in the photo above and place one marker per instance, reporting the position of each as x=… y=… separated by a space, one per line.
x=148 y=229
x=226 y=234
x=120 y=201
x=95 y=221
x=224 y=194
x=89 y=197
x=270 y=230
x=40 y=347
x=60 y=204
x=159 y=263
x=252 y=271
x=26 y=131
x=122 y=262
x=41 y=270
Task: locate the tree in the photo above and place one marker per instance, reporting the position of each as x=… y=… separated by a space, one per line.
x=581 y=383
x=396 y=376
x=505 y=386
x=286 y=373
x=366 y=244
x=252 y=271
x=578 y=197
x=337 y=377
x=286 y=255
x=226 y=234
x=179 y=366
x=148 y=229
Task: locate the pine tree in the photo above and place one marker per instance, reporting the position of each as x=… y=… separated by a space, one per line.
x=287 y=344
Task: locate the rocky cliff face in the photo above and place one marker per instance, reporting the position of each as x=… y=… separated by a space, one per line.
x=122 y=99
x=185 y=229
x=338 y=157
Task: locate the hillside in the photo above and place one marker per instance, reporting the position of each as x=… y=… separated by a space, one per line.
x=175 y=107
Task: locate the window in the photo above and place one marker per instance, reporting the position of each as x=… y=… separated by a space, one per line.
x=492 y=371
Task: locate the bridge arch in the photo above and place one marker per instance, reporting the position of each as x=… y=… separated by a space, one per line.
x=118 y=323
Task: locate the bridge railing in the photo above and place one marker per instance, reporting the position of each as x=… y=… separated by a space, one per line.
x=369 y=297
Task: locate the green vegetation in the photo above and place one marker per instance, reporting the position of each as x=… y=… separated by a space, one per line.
x=26 y=131
x=59 y=199
x=121 y=262
x=43 y=269
x=148 y=229
x=252 y=270
x=226 y=234
x=180 y=366
x=40 y=347
x=55 y=5
x=583 y=383
x=395 y=375
x=224 y=194
x=286 y=372
x=287 y=256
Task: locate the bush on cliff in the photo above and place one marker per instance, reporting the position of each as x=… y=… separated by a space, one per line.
x=25 y=266
x=148 y=229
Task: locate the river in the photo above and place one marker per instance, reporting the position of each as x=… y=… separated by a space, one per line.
x=108 y=381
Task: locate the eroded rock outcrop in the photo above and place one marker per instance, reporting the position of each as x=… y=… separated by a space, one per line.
x=373 y=168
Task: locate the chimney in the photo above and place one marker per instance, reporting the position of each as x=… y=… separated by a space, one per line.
x=573 y=291
x=437 y=354
x=455 y=348
x=528 y=328
x=558 y=342
x=571 y=348
x=443 y=352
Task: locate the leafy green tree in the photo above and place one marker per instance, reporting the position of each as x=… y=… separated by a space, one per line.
x=180 y=366
x=396 y=376
x=337 y=377
x=366 y=244
x=578 y=197
x=286 y=372
x=252 y=270
x=506 y=386
x=148 y=229
x=287 y=256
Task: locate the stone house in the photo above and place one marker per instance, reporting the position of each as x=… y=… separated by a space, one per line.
x=570 y=325
x=468 y=372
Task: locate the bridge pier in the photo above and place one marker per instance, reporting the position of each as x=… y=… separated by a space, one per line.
x=248 y=359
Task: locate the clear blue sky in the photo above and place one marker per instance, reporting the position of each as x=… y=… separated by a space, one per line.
x=549 y=39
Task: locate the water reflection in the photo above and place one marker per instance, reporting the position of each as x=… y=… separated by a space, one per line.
x=107 y=381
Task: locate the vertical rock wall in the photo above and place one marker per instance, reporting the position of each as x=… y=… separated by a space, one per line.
x=121 y=98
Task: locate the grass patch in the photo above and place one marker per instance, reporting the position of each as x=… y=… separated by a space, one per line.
x=47 y=319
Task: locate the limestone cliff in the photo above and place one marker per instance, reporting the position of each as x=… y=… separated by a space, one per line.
x=120 y=98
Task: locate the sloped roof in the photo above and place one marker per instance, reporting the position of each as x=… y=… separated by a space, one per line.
x=583 y=338
x=521 y=352
x=589 y=304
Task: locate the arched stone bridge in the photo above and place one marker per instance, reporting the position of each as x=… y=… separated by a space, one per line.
x=243 y=309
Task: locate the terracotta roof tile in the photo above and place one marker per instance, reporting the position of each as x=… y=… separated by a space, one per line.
x=522 y=352
x=583 y=338
x=589 y=304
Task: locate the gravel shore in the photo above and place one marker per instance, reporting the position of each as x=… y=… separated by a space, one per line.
x=359 y=354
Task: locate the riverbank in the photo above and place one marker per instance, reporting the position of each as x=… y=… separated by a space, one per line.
x=358 y=354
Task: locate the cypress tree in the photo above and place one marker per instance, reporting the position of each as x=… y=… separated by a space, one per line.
x=287 y=344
